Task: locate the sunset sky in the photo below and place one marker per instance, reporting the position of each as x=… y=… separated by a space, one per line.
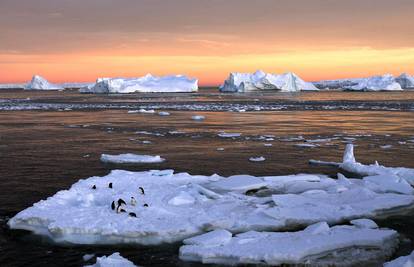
x=80 y=40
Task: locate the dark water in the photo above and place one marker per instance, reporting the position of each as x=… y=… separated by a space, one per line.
x=44 y=151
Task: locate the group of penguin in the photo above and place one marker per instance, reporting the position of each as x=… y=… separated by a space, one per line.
x=120 y=204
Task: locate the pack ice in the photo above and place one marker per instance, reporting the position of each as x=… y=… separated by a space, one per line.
x=245 y=82
x=168 y=207
x=40 y=83
x=318 y=244
x=145 y=84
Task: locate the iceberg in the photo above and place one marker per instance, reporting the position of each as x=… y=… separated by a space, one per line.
x=145 y=84
x=40 y=83
x=115 y=260
x=349 y=164
x=318 y=245
x=403 y=261
x=166 y=207
x=385 y=82
x=406 y=81
x=246 y=82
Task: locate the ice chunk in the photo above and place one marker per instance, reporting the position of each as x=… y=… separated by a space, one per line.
x=364 y=223
x=257 y=159
x=316 y=245
x=164 y=113
x=131 y=158
x=244 y=82
x=240 y=183
x=404 y=261
x=147 y=83
x=40 y=83
x=229 y=135
x=198 y=117
x=87 y=257
x=214 y=238
x=388 y=183
x=115 y=260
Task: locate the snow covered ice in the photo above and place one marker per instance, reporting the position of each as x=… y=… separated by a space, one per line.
x=404 y=261
x=40 y=83
x=114 y=260
x=145 y=84
x=245 y=82
x=385 y=82
x=318 y=244
x=131 y=158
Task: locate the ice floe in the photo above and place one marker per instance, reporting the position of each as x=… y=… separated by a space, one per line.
x=257 y=159
x=131 y=158
x=40 y=83
x=245 y=82
x=318 y=244
x=147 y=83
x=404 y=261
x=349 y=164
x=198 y=117
x=229 y=135
x=114 y=260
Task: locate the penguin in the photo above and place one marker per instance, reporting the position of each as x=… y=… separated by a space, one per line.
x=121 y=201
x=132 y=214
x=142 y=190
x=119 y=207
x=110 y=185
x=122 y=210
x=146 y=205
x=113 y=205
x=94 y=187
x=133 y=201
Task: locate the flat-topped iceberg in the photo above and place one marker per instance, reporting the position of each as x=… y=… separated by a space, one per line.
x=245 y=82
x=385 y=82
x=163 y=207
x=145 y=84
x=40 y=83
x=318 y=245
x=130 y=158
x=114 y=260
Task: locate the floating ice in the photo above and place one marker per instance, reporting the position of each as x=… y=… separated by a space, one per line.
x=316 y=245
x=244 y=82
x=115 y=260
x=145 y=84
x=229 y=135
x=349 y=164
x=404 y=261
x=257 y=159
x=198 y=117
x=131 y=158
x=375 y=83
x=87 y=257
x=40 y=83
x=164 y=113
x=306 y=145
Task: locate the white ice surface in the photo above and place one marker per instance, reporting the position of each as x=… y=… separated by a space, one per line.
x=384 y=82
x=114 y=260
x=131 y=158
x=245 y=82
x=257 y=159
x=183 y=205
x=318 y=244
x=404 y=261
x=40 y=83
x=147 y=83
x=406 y=81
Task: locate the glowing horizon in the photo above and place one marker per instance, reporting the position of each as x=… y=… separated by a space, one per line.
x=317 y=39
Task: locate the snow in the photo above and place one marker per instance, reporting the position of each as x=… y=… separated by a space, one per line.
x=404 y=261
x=131 y=158
x=115 y=260
x=257 y=159
x=316 y=245
x=40 y=83
x=180 y=205
x=349 y=164
x=245 y=82
x=147 y=83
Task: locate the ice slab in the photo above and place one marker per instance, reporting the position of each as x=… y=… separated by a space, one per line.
x=129 y=158
x=404 y=261
x=114 y=260
x=316 y=245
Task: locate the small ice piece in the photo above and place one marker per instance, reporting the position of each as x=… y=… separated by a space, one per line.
x=220 y=149
x=87 y=257
x=403 y=261
x=306 y=145
x=268 y=144
x=240 y=183
x=115 y=260
x=386 y=146
x=164 y=113
x=131 y=158
x=229 y=135
x=146 y=142
x=317 y=245
x=388 y=183
x=364 y=223
x=214 y=238
x=198 y=117
x=150 y=111
x=257 y=159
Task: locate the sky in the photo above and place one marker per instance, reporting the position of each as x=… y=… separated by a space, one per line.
x=81 y=40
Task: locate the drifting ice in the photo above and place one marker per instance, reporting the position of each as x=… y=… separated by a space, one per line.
x=245 y=82
x=131 y=158
x=384 y=82
x=115 y=260
x=318 y=244
x=145 y=84
x=40 y=83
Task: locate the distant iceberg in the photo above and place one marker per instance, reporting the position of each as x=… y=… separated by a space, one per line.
x=245 y=82
x=145 y=84
x=40 y=83
x=386 y=82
